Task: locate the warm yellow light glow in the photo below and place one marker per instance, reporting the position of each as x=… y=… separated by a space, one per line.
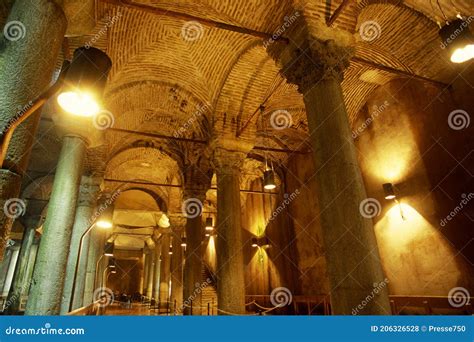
x=78 y=103
x=270 y=186
x=463 y=54
x=105 y=224
x=209 y=228
x=389 y=197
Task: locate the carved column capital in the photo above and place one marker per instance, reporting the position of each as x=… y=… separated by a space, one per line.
x=228 y=155
x=88 y=191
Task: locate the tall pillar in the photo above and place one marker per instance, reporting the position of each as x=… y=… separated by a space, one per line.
x=93 y=255
x=165 y=271
x=11 y=269
x=20 y=283
x=156 y=272
x=142 y=275
x=151 y=268
x=177 y=271
x=4 y=265
x=316 y=65
x=192 y=274
x=49 y=273
x=230 y=261
x=146 y=268
x=35 y=32
x=87 y=199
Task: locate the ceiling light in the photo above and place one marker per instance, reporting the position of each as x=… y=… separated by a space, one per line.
x=269 y=179
x=458 y=39
x=183 y=242
x=209 y=224
x=105 y=219
x=109 y=249
x=389 y=191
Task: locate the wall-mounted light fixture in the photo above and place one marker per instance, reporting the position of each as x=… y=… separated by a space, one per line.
x=106 y=218
x=112 y=263
x=458 y=39
x=262 y=242
x=171 y=250
x=389 y=193
x=209 y=223
x=269 y=179
x=183 y=242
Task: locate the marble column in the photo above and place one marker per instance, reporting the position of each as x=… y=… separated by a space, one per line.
x=20 y=283
x=176 y=272
x=315 y=61
x=86 y=203
x=165 y=271
x=146 y=268
x=4 y=265
x=230 y=261
x=49 y=273
x=192 y=274
x=35 y=32
x=11 y=269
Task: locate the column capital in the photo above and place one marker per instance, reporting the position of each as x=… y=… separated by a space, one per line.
x=88 y=191
x=177 y=222
x=229 y=154
x=314 y=53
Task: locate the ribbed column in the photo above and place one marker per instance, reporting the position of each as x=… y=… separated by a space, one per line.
x=87 y=199
x=20 y=284
x=30 y=48
x=316 y=65
x=49 y=274
x=230 y=261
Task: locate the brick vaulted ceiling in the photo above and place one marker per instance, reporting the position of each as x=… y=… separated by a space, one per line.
x=166 y=69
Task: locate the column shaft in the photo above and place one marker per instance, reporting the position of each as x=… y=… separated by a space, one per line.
x=19 y=283
x=156 y=272
x=29 y=55
x=351 y=249
x=165 y=271
x=177 y=273
x=230 y=262
x=48 y=277
x=81 y=224
x=192 y=274
x=151 y=268
x=94 y=253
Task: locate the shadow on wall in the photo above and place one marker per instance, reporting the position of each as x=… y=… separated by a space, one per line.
x=417 y=255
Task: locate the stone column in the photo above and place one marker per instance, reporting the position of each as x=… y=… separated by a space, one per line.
x=176 y=300
x=165 y=271
x=4 y=265
x=11 y=269
x=146 y=268
x=151 y=268
x=87 y=200
x=20 y=283
x=93 y=255
x=230 y=261
x=142 y=275
x=156 y=272
x=192 y=274
x=316 y=65
x=29 y=54
x=48 y=277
